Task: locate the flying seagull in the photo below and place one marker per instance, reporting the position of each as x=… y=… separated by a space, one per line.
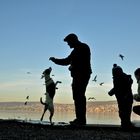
x=27 y=97
x=90 y=98
x=95 y=79
x=25 y=103
x=28 y=72
x=101 y=83
x=121 y=56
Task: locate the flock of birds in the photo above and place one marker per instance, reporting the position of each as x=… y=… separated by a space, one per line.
x=94 y=80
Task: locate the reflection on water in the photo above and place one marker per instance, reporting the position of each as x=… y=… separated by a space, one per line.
x=103 y=118
x=97 y=112
x=92 y=118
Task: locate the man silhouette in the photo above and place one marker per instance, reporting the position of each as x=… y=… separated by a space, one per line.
x=80 y=68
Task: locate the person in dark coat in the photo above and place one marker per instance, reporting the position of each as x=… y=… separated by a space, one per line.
x=122 y=90
x=136 y=108
x=137 y=76
x=80 y=69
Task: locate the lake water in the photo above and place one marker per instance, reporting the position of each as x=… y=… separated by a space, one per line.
x=92 y=118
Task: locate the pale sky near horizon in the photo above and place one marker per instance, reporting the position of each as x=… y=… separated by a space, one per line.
x=31 y=31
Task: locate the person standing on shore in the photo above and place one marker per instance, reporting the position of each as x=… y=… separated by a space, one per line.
x=136 y=108
x=80 y=68
x=137 y=75
x=123 y=92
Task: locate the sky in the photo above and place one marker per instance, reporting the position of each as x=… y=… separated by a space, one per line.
x=31 y=31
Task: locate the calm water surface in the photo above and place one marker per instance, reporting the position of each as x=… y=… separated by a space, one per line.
x=92 y=118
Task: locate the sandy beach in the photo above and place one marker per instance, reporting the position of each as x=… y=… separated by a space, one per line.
x=15 y=130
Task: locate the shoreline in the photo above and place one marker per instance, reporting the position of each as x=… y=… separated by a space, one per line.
x=14 y=129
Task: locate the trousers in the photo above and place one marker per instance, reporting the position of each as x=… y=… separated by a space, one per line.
x=79 y=85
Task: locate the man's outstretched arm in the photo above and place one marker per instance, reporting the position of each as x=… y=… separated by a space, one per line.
x=63 y=61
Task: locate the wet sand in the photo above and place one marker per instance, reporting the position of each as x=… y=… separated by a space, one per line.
x=15 y=130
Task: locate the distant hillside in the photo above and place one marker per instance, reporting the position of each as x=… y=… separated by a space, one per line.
x=98 y=106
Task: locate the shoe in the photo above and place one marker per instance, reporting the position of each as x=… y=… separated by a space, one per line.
x=77 y=122
x=74 y=121
x=129 y=126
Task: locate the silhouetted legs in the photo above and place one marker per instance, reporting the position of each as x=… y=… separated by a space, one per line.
x=125 y=109
x=42 y=116
x=80 y=109
x=51 y=115
x=79 y=88
x=45 y=109
x=51 y=109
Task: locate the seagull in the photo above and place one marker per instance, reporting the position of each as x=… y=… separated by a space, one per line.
x=27 y=97
x=25 y=103
x=90 y=98
x=95 y=78
x=121 y=56
x=101 y=83
x=28 y=72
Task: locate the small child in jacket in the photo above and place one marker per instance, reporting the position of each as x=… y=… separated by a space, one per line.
x=122 y=90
